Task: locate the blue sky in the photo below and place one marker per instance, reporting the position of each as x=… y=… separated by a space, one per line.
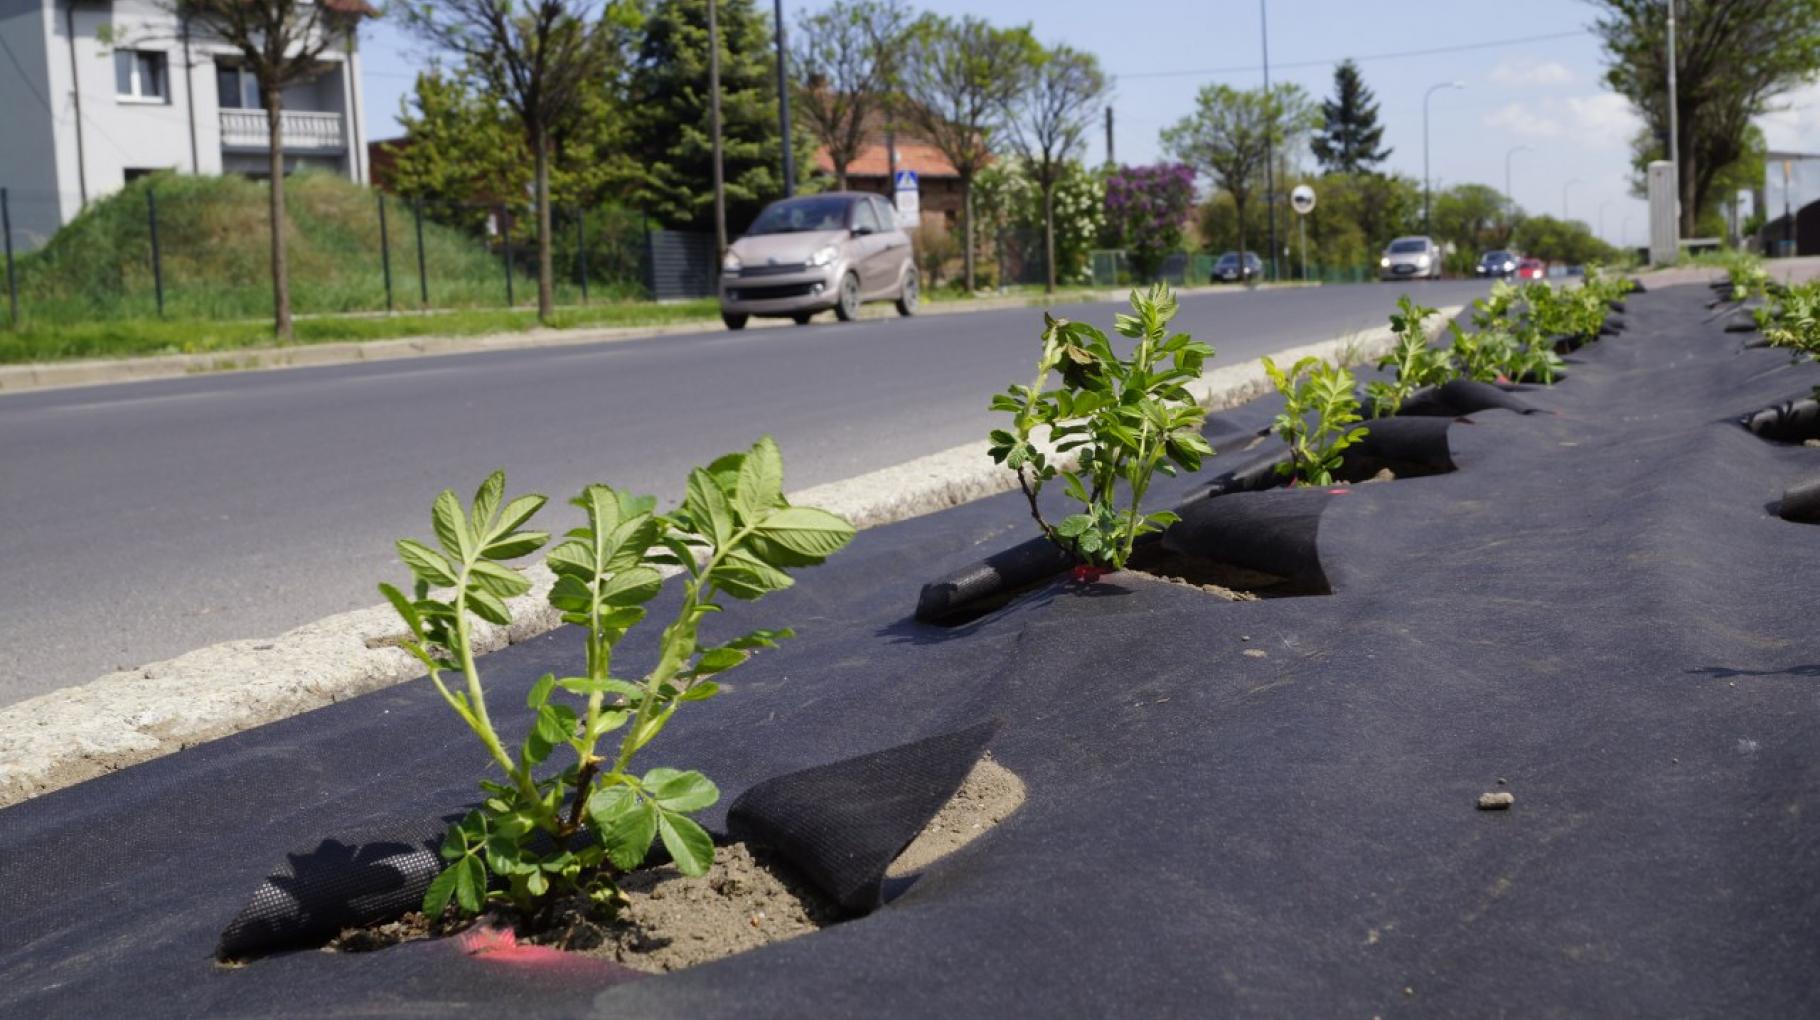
x=1544 y=93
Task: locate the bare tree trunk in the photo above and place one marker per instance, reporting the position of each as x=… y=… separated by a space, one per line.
x=1238 y=204
x=546 y=299
x=1049 y=236
x=967 y=229
x=840 y=178
x=281 y=275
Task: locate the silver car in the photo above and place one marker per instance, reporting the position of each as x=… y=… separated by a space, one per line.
x=809 y=254
x=1411 y=258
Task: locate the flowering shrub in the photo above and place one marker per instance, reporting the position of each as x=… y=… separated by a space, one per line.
x=1004 y=197
x=1146 y=207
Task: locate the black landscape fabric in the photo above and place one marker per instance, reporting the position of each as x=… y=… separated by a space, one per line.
x=1262 y=808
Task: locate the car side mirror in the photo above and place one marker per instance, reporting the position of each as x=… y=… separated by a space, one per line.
x=861 y=230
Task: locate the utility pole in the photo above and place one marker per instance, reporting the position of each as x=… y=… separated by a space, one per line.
x=720 y=186
x=1270 y=133
x=1674 y=120
x=1110 y=161
x=1426 y=187
x=783 y=105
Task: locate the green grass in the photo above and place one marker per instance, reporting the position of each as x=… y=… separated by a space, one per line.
x=121 y=338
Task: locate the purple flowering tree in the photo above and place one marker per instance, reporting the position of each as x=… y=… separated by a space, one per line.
x=1146 y=208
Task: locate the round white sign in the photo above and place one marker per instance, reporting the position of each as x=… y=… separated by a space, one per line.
x=1302 y=199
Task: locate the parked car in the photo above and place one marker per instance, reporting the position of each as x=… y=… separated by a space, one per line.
x=1231 y=268
x=1502 y=264
x=1531 y=269
x=1410 y=258
x=809 y=254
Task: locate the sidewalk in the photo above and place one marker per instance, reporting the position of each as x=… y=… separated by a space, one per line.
x=57 y=374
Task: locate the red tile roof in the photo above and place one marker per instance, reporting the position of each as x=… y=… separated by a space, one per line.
x=921 y=157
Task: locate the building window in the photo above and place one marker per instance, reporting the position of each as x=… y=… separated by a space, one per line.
x=236 y=88
x=139 y=75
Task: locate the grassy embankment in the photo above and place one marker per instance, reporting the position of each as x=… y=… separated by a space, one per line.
x=90 y=292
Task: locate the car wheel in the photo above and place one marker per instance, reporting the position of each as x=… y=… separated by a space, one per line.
x=848 y=308
x=802 y=318
x=907 y=298
x=733 y=320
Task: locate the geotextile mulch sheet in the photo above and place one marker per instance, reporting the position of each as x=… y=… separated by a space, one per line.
x=1260 y=808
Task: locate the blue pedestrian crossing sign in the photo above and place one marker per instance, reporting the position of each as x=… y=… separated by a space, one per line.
x=909 y=201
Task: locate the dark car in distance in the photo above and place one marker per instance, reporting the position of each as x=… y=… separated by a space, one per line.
x=1230 y=268
x=1502 y=264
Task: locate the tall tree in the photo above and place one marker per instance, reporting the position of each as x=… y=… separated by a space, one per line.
x=1048 y=120
x=844 y=57
x=1347 y=141
x=1232 y=131
x=281 y=42
x=537 y=57
x=1733 y=58
x=667 y=113
x=957 y=79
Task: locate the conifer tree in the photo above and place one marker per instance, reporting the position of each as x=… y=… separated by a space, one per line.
x=1348 y=139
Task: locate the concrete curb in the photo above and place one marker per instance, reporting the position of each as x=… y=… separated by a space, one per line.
x=62 y=738
x=62 y=374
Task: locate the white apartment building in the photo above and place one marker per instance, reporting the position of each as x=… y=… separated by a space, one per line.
x=94 y=93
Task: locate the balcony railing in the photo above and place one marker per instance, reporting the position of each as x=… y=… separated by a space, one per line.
x=304 y=130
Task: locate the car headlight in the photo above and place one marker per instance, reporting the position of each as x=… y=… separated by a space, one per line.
x=1508 y=266
x=823 y=255
x=729 y=262
x=1384 y=262
x=1421 y=262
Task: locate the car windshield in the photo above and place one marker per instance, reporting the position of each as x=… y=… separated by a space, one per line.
x=800 y=215
x=1408 y=247
x=1228 y=259
x=1496 y=256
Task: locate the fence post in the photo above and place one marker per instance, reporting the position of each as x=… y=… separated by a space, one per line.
x=385 y=252
x=12 y=282
x=505 y=230
x=151 y=209
x=581 y=249
x=423 y=278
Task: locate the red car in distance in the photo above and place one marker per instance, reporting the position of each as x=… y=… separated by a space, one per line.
x=1531 y=269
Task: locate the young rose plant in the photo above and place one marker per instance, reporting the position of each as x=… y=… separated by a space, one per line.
x=1319 y=405
x=1415 y=362
x=1128 y=418
x=541 y=834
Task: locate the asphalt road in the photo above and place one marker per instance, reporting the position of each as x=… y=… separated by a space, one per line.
x=141 y=521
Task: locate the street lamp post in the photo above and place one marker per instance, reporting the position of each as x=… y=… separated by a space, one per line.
x=1674 y=118
x=1270 y=130
x=1426 y=227
x=1508 y=195
x=1602 y=204
x=1571 y=181
x=783 y=105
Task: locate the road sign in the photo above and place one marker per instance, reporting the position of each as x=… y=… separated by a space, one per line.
x=909 y=200
x=1302 y=199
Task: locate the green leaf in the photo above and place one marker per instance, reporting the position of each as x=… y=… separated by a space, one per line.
x=486 y=502
x=1074 y=525
x=573 y=556
x=689 y=844
x=515 y=544
x=496 y=579
x=700 y=692
x=470 y=884
x=627 y=825
x=716 y=660
x=516 y=513
x=486 y=606
x=540 y=691
x=707 y=506
x=452 y=527
x=406 y=611
x=760 y=486
x=681 y=791
x=807 y=531
x=425 y=563
x=631 y=587
x=442 y=889
x=761 y=638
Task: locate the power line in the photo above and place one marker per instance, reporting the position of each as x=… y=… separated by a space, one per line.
x=1397 y=55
